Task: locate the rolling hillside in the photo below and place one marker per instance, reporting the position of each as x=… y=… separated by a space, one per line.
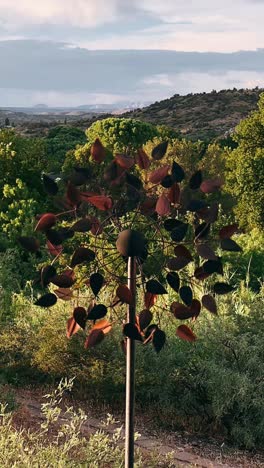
x=201 y=116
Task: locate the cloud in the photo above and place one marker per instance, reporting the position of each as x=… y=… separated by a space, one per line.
x=56 y=73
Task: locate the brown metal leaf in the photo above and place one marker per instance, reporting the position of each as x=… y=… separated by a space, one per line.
x=150 y=299
x=83 y=225
x=81 y=255
x=142 y=159
x=174 y=194
x=155 y=177
x=209 y=303
x=124 y=294
x=29 y=243
x=64 y=293
x=144 y=319
x=205 y=251
x=98 y=152
x=80 y=316
x=158 y=339
x=228 y=231
x=181 y=311
x=177 y=263
x=126 y=162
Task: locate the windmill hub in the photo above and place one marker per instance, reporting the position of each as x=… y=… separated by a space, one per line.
x=131 y=243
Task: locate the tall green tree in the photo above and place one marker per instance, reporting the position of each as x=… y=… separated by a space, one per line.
x=245 y=170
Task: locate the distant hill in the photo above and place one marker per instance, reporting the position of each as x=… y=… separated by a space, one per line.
x=201 y=116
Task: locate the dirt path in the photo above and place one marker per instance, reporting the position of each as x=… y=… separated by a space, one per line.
x=186 y=452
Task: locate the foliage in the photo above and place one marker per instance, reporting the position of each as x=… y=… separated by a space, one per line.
x=245 y=170
x=119 y=135
x=59 y=442
x=201 y=116
x=59 y=141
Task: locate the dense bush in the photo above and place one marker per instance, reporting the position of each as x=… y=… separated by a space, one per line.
x=214 y=385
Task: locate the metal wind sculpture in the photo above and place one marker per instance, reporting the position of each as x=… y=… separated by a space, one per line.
x=133 y=231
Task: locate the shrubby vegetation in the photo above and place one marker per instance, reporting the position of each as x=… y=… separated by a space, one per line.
x=214 y=385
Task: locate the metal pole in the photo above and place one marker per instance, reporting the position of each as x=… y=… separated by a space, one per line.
x=130 y=369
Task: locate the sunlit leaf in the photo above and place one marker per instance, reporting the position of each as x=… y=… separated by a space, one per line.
x=211 y=186
x=101 y=202
x=124 y=294
x=126 y=162
x=103 y=325
x=185 y=333
x=72 y=327
x=65 y=294
x=142 y=159
x=150 y=299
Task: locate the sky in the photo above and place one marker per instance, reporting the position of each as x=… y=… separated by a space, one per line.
x=77 y=52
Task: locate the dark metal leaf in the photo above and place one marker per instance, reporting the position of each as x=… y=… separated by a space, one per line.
x=177 y=263
x=209 y=214
x=50 y=185
x=131 y=331
x=213 y=266
x=48 y=300
x=196 y=205
x=195 y=308
x=222 y=288
x=209 y=303
x=134 y=181
x=54 y=237
x=81 y=255
x=227 y=231
x=155 y=287
x=159 y=151
x=181 y=311
x=73 y=195
x=80 y=176
x=196 y=180
x=47 y=273
x=202 y=231
x=174 y=194
x=83 y=225
x=80 y=316
x=186 y=295
x=182 y=251
x=173 y=280
x=205 y=251
x=96 y=282
x=178 y=233
x=200 y=274
x=97 y=312
x=144 y=318
x=29 y=243
x=167 y=182
x=230 y=245
x=62 y=281
x=170 y=224
x=177 y=172
x=158 y=340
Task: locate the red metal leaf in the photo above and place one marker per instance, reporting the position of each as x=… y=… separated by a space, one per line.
x=174 y=194
x=181 y=311
x=72 y=327
x=98 y=152
x=163 y=205
x=46 y=221
x=126 y=162
x=64 y=293
x=124 y=294
x=142 y=159
x=185 y=333
x=209 y=303
x=94 y=338
x=54 y=250
x=150 y=299
x=144 y=319
x=227 y=231
x=210 y=186
x=155 y=177
x=102 y=325
x=101 y=202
